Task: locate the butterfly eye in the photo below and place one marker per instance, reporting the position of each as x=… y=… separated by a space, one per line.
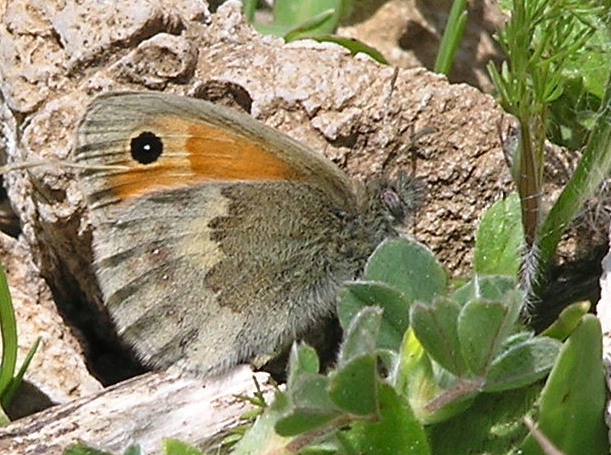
x=394 y=204
x=146 y=148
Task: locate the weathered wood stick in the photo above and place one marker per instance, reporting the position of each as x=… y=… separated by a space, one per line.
x=141 y=410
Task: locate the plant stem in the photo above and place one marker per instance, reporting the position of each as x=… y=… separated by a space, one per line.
x=528 y=183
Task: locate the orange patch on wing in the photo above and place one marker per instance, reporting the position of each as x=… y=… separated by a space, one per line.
x=196 y=153
x=220 y=155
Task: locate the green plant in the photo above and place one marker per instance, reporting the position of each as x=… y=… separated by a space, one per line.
x=451 y=37
x=9 y=380
x=555 y=56
x=313 y=19
x=572 y=403
x=319 y=19
x=298 y=19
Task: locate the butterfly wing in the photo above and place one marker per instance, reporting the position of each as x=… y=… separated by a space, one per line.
x=216 y=238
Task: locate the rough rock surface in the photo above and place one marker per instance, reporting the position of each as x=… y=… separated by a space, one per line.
x=351 y=109
x=57 y=373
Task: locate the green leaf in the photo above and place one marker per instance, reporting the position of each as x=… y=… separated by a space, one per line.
x=312 y=19
x=572 y=404
x=491 y=426
x=395 y=305
x=494 y=288
x=174 y=447
x=415 y=379
x=594 y=165
x=262 y=437
x=435 y=326
x=499 y=237
x=294 y=13
x=482 y=327
x=568 y=319
x=248 y=8
x=310 y=393
x=8 y=330
x=326 y=20
x=409 y=267
x=353 y=45
x=304 y=420
x=302 y=19
x=573 y=115
x=515 y=340
x=10 y=391
x=4 y=420
x=522 y=364
x=303 y=360
x=311 y=406
x=396 y=432
x=278 y=30
x=590 y=62
x=362 y=333
x=353 y=387
x=452 y=34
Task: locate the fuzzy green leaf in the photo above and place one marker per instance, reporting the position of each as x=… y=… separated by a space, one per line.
x=435 y=326
x=396 y=432
x=310 y=392
x=494 y=288
x=416 y=379
x=304 y=420
x=482 y=327
x=491 y=426
x=353 y=387
x=499 y=238
x=409 y=267
x=362 y=333
x=395 y=305
x=303 y=360
x=522 y=364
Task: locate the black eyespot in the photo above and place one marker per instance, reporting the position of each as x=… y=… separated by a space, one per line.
x=146 y=148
